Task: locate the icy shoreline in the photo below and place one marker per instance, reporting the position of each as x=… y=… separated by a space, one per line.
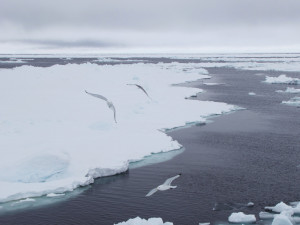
x=55 y=138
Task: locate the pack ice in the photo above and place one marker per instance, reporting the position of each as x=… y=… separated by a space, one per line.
x=54 y=137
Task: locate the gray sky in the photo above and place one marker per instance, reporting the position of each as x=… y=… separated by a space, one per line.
x=98 y=26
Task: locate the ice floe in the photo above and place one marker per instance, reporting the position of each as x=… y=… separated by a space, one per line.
x=290 y=90
x=295 y=101
x=280 y=207
x=240 y=217
x=140 y=221
x=282 y=79
x=282 y=219
x=55 y=138
x=251 y=93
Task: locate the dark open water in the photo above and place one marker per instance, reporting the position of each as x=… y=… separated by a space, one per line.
x=250 y=155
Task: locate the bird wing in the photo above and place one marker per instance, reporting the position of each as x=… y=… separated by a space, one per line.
x=97 y=96
x=169 y=180
x=140 y=87
x=151 y=192
x=114 y=110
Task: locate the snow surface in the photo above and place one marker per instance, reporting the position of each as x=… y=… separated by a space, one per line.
x=140 y=221
x=282 y=79
x=54 y=137
x=240 y=217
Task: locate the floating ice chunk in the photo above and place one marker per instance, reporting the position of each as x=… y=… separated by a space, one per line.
x=290 y=90
x=280 y=207
x=251 y=93
x=55 y=195
x=282 y=79
x=266 y=215
x=204 y=223
x=250 y=204
x=282 y=219
x=240 y=217
x=140 y=221
x=295 y=101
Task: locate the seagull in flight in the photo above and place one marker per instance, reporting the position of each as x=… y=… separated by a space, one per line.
x=109 y=103
x=140 y=87
x=165 y=186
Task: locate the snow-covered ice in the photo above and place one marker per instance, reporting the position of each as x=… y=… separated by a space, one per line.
x=140 y=221
x=282 y=219
x=280 y=207
x=240 y=217
x=55 y=138
x=282 y=79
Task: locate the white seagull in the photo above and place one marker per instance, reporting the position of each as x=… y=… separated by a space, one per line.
x=109 y=103
x=140 y=87
x=165 y=186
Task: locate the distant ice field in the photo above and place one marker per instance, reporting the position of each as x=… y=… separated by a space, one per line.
x=55 y=138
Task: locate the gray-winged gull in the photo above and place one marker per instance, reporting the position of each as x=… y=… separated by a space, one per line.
x=109 y=103
x=140 y=87
x=165 y=186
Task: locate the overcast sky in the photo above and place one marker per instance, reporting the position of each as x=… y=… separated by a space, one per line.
x=98 y=26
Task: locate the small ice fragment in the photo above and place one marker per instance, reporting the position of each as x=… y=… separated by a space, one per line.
x=55 y=195
x=240 y=217
x=280 y=207
x=251 y=93
x=140 y=221
x=293 y=101
x=204 y=223
x=290 y=90
x=250 y=204
x=266 y=215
